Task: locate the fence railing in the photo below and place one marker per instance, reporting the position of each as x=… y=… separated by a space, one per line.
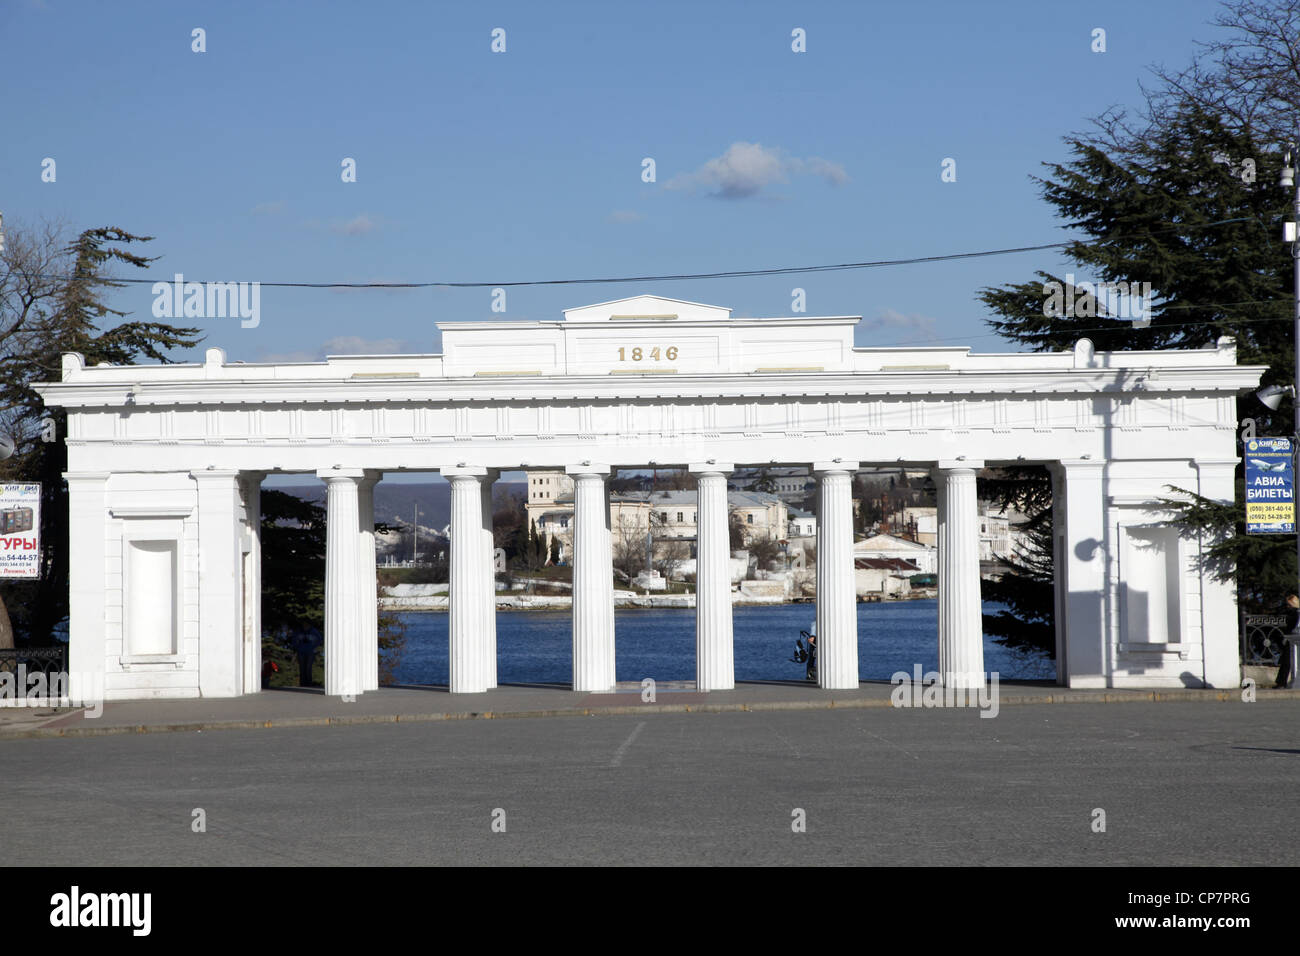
x=1261 y=638
x=47 y=660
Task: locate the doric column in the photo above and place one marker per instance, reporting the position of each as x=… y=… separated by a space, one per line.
x=715 y=667
x=961 y=623
x=1083 y=574
x=368 y=646
x=467 y=627
x=87 y=584
x=221 y=633
x=837 y=603
x=250 y=496
x=343 y=597
x=489 y=579
x=593 y=585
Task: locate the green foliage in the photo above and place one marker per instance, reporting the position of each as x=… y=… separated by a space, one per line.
x=392 y=642
x=510 y=524
x=435 y=570
x=293 y=563
x=764 y=481
x=1028 y=588
x=764 y=550
x=293 y=582
x=1171 y=208
x=1168 y=205
x=52 y=302
x=735 y=532
x=1262 y=566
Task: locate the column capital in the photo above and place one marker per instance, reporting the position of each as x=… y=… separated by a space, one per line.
x=258 y=476
x=354 y=474
x=587 y=468
x=710 y=467
x=463 y=470
x=834 y=465
x=957 y=464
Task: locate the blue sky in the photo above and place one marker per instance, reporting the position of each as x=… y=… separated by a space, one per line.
x=482 y=166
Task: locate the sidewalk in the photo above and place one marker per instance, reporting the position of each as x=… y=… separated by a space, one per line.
x=301 y=707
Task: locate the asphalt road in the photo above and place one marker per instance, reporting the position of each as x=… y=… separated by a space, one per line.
x=1180 y=783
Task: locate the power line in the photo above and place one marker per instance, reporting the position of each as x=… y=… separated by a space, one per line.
x=671 y=277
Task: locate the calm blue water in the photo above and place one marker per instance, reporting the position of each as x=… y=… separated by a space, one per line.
x=537 y=646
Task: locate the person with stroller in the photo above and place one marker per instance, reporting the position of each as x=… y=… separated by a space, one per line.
x=807 y=655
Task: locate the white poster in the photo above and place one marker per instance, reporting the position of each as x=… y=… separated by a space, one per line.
x=20 y=530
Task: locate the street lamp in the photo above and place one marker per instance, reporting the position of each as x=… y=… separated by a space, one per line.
x=1287 y=181
x=1271 y=396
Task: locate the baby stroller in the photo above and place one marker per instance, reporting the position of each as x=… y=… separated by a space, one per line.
x=807 y=655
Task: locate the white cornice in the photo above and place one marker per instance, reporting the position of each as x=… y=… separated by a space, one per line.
x=992 y=384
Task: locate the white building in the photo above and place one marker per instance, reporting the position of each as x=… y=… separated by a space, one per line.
x=888 y=546
x=669 y=515
x=883 y=577
x=997 y=539
x=802 y=523
x=165 y=464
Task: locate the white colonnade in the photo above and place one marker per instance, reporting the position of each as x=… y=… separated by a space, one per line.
x=351 y=627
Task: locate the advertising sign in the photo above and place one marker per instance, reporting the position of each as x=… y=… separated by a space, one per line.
x=1270 y=486
x=20 y=530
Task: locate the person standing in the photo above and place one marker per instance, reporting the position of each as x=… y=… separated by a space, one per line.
x=1284 y=659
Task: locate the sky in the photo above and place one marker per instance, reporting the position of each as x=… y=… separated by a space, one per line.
x=528 y=163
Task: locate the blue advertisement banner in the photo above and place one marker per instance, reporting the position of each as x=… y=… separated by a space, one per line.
x=1270 y=486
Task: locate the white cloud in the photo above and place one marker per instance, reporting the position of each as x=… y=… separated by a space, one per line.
x=269 y=208
x=358 y=225
x=625 y=215
x=915 y=325
x=745 y=169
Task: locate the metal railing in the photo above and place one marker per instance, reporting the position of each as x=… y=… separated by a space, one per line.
x=1261 y=638
x=47 y=660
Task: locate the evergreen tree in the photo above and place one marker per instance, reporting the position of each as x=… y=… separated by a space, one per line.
x=52 y=302
x=293 y=563
x=1175 y=209
x=293 y=542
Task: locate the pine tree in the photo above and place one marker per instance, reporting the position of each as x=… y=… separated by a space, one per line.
x=52 y=302
x=1175 y=208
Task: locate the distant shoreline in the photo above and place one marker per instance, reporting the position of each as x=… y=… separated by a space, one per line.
x=650 y=602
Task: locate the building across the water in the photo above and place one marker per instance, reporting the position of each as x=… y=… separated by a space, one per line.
x=665 y=516
x=165 y=463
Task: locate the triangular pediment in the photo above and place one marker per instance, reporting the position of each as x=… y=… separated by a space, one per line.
x=646 y=307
